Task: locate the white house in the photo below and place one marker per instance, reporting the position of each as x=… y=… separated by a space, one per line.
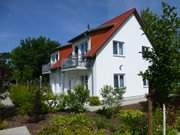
x=110 y=54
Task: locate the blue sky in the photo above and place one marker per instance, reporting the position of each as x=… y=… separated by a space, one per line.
x=60 y=20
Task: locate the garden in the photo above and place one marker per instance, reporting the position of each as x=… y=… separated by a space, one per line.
x=47 y=114
x=66 y=114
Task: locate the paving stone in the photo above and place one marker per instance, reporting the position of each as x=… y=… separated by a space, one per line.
x=15 y=131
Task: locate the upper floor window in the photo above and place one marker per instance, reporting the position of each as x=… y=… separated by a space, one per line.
x=118 y=80
x=81 y=48
x=145 y=49
x=84 y=47
x=54 y=57
x=118 y=48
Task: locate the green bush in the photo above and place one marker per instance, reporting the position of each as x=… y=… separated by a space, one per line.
x=107 y=112
x=172 y=131
x=178 y=123
x=21 y=95
x=104 y=123
x=94 y=101
x=134 y=122
x=76 y=124
x=111 y=96
x=77 y=97
x=61 y=102
x=158 y=124
x=50 y=99
x=28 y=99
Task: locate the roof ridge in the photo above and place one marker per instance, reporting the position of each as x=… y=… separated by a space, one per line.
x=126 y=12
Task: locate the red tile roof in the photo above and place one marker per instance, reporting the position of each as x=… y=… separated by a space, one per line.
x=64 y=53
x=99 y=38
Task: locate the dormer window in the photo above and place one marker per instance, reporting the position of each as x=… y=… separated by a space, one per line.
x=84 y=47
x=81 y=48
x=54 y=57
x=118 y=48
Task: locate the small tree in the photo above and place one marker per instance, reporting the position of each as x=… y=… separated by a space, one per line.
x=77 y=97
x=111 y=96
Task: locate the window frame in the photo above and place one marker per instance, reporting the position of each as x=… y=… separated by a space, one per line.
x=145 y=83
x=118 y=47
x=56 y=57
x=144 y=49
x=119 y=75
x=84 y=80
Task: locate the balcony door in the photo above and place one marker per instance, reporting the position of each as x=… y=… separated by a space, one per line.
x=76 y=50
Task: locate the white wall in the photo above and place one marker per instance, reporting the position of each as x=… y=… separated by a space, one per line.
x=75 y=77
x=55 y=81
x=106 y=64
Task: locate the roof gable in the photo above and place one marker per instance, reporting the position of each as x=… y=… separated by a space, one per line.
x=98 y=39
x=99 y=36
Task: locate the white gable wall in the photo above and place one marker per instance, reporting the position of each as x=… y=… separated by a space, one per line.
x=106 y=65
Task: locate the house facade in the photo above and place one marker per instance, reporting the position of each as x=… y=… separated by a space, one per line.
x=110 y=54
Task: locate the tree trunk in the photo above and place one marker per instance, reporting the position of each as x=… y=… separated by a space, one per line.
x=150 y=126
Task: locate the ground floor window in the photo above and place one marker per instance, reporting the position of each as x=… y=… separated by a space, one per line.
x=145 y=83
x=70 y=84
x=118 y=80
x=84 y=80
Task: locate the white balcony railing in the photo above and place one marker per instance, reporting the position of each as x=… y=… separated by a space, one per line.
x=76 y=61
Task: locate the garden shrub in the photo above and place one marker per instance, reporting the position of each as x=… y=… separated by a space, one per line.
x=77 y=97
x=134 y=122
x=104 y=123
x=28 y=99
x=158 y=124
x=172 y=131
x=94 y=101
x=107 y=112
x=75 y=124
x=50 y=99
x=61 y=102
x=178 y=123
x=111 y=96
x=157 y=121
x=21 y=95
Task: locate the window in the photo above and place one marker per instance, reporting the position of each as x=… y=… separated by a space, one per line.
x=118 y=48
x=84 y=47
x=70 y=84
x=144 y=51
x=118 y=80
x=84 y=80
x=54 y=57
x=145 y=83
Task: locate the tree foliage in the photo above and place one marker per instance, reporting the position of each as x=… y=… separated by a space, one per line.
x=4 y=71
x=29 y=56
x=164 y=72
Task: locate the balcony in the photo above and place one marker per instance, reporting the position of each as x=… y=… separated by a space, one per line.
x=46 y=69
x=76 y=62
